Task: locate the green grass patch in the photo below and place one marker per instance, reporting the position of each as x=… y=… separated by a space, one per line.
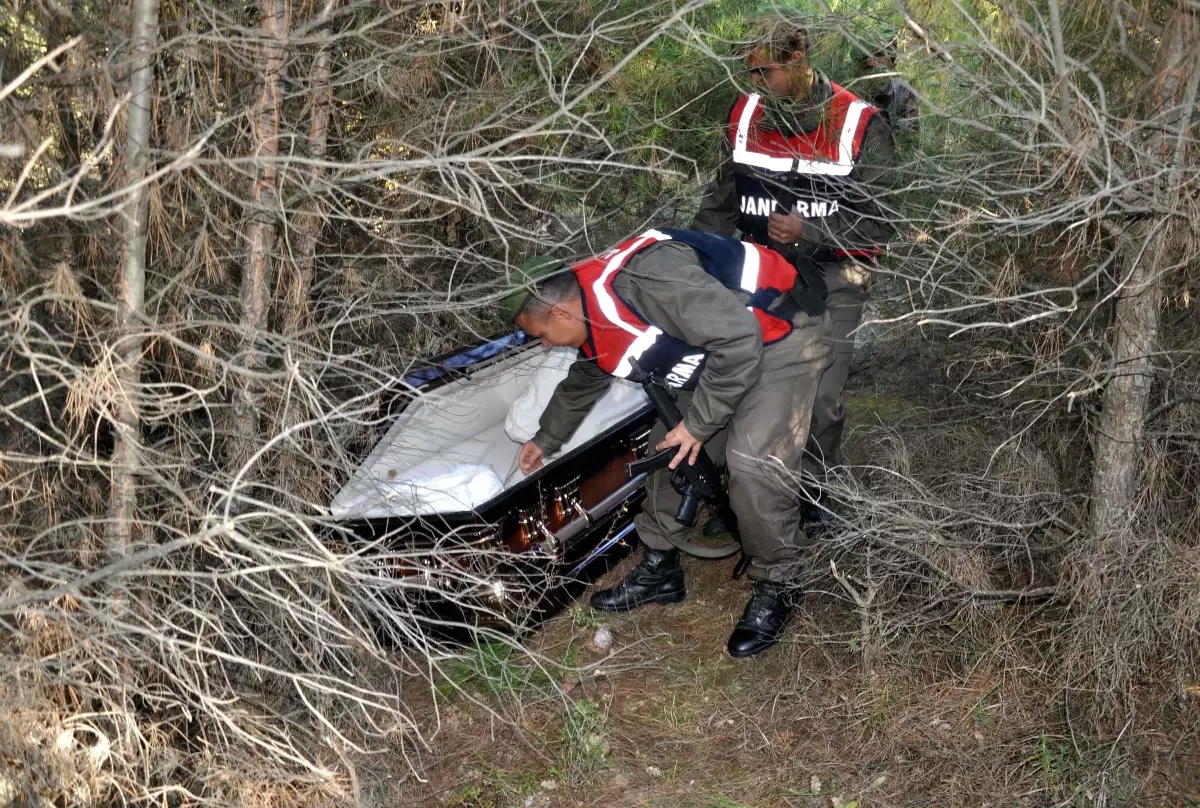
x=497 y=789
x=492 y=671
x=583 y=741
x=876 y=408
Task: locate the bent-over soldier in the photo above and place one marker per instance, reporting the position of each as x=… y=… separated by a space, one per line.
x=731 y=326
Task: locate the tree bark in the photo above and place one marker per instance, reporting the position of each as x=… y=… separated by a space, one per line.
x=131 y=291
x=1121 y=430
x=1060 y=70
x=309 y=223
x=260 y=234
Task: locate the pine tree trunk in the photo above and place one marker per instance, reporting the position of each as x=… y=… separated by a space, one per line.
x=1119 y=443
x=1122 y=422
x=131 y=291
x=318 y=136
x=260 y=234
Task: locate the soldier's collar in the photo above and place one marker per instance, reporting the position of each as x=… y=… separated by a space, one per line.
x=793 y=117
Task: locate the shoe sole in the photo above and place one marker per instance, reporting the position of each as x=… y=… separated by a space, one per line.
x=663 y=600
x=769 y=643
x=752 y=654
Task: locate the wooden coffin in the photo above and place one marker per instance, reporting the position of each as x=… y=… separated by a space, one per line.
x=464 y=545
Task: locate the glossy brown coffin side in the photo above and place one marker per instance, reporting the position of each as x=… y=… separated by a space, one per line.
x=511 y=545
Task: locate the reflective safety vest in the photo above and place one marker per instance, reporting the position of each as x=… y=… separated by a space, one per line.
x=618 y=334
x=806 y=173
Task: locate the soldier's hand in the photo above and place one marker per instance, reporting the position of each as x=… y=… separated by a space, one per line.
x=530 y=457
x=784 y=228
x=689 y=447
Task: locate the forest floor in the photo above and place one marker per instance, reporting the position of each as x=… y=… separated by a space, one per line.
x=666 y=718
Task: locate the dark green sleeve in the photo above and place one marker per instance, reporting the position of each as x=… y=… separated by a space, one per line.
x=573 y=399
x=667 y=286
x=718 y=211
x=862 y=223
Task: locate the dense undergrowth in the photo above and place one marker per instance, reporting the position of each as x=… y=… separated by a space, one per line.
x=222 y=645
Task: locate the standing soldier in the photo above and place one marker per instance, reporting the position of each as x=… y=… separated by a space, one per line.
x=805 y=163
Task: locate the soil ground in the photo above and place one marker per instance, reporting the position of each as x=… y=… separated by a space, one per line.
x=666 y=718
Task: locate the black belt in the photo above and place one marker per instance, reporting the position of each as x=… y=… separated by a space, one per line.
x=810 y=291
x=824 y=255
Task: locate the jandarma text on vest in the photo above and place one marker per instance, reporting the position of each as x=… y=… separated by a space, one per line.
x=806 y=209
x=683 y=371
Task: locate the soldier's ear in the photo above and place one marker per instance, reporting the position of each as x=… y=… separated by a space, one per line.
x=559 y=313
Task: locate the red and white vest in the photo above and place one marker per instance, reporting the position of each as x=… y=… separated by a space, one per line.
x=617 y=333
x=806 y=173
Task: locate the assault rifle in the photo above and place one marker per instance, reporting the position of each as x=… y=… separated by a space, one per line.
x=693 y=481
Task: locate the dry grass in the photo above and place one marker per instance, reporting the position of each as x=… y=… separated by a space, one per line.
x=969 y=700
x=233 y=663
x=684 y=725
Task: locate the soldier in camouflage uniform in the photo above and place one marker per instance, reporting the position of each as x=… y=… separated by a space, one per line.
x=744 y=340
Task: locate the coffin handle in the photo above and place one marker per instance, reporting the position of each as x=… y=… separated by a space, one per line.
x=572 y=530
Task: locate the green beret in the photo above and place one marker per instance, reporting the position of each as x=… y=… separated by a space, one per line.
x=522 y=282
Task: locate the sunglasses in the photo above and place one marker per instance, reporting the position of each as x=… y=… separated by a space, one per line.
x=762 y=71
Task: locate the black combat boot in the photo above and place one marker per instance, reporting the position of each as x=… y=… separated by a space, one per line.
x=657 y=578
x=763 y=620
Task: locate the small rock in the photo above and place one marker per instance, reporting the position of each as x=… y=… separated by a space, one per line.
x=878 y=781
x=549 y=785
x=527 y=802
x=814 y=784
x=979 y=736
x=654 y=771
x=603 y=638
x=65 y=742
